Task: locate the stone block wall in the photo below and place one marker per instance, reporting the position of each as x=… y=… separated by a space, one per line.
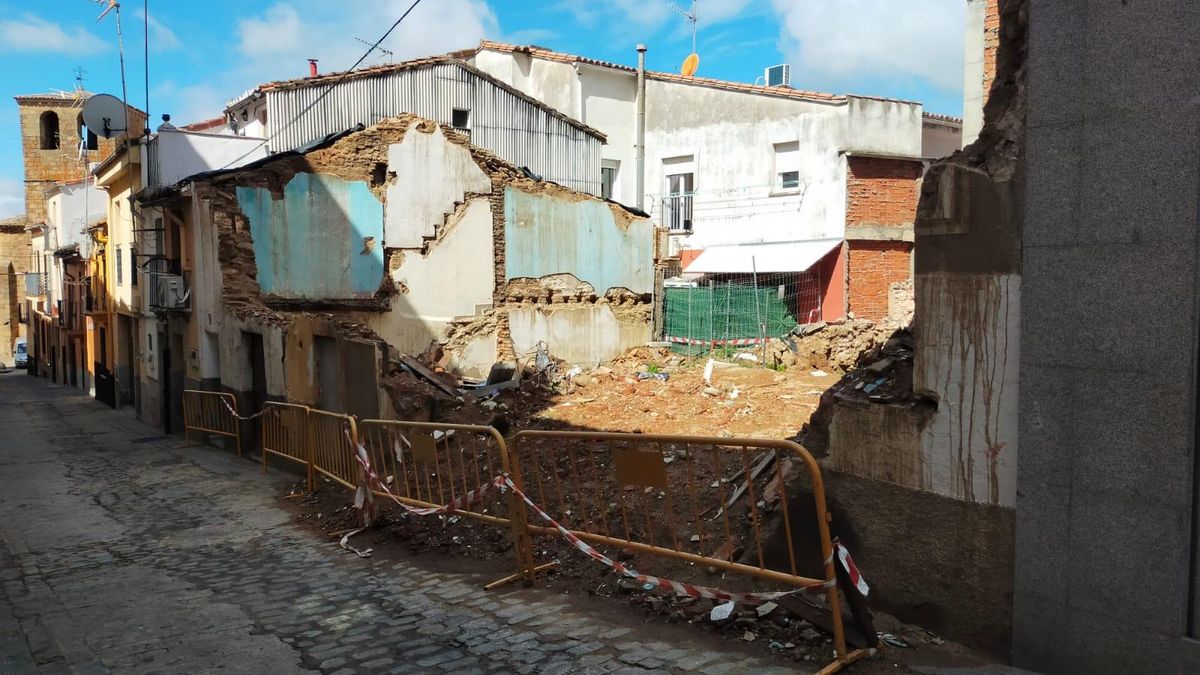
x=44 y=168
x=14 y=260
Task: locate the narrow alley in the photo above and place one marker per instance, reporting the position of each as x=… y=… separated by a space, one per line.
x=122 y=550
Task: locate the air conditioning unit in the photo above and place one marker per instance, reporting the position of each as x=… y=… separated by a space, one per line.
x=778 y=76
x=172 y=293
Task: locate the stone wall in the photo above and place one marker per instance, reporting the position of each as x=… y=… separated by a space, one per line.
x=14 y=261
x=46 y=167
x=1107 y=578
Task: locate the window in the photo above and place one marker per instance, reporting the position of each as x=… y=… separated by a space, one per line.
x=133 y=267
x=460 y=118
x=49 y=128
x=787 y=167
x=608 y=178
x=87 y=139
x=678 y=209
x=120 y=265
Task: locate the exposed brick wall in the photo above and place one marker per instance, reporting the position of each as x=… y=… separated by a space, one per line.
x=991 y=42
x=882 y=191
x=872 y=268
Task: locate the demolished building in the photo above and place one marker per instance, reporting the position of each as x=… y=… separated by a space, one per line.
x=314 y=270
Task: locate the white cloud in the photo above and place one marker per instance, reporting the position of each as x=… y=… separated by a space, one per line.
x=162 y=38
x=836 y=43
x=12 y=197
x=278 y=42
x=34 y=34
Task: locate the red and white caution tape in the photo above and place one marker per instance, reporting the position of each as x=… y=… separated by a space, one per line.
x=734 y=342
x=503 y=482
x=233 y=412
x=369 y=478
x=847 y=562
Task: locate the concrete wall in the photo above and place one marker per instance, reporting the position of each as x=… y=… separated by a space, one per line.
x=883 y=127
x=939 y=139
x=546 y=234
x=181 y=154
x=585 y=334
x=973 y=92
x=321 y=241
x=1106 y=571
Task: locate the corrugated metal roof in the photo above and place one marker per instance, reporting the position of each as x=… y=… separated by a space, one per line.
x=392 y=68
x=503 y=121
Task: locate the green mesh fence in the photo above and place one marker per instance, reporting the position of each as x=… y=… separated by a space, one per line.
x=729 y=313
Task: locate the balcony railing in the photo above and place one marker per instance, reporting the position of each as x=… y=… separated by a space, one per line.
x=677 y=212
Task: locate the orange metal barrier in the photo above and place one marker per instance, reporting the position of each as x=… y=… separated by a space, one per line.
x=427 y=465
x=333 y=439
x=285 y=432
x=211 y=412
x=682 y=497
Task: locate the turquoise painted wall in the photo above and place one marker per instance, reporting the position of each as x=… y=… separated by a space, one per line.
x=546 y=235
x=309 y=245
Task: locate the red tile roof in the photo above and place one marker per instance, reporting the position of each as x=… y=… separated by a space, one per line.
x=562 y=57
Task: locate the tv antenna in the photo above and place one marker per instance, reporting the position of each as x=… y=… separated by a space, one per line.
x=387 y=53
x=690 y=17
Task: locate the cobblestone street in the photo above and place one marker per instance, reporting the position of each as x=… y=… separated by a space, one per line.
x=124 y=551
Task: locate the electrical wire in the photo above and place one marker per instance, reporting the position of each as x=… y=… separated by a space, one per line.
x=328 y=89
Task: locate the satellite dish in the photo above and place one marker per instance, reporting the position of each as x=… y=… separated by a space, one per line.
x=690 y=64
x=104 y=115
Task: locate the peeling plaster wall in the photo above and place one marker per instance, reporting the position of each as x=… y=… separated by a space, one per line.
x=584 y=334
x=313 y=244
x=545 y=234
x=431 y=176
x=452 y=279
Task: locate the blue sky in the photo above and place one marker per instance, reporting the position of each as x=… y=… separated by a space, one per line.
x=204 y=53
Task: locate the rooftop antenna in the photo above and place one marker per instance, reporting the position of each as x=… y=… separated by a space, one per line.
x=690 y=17
x=114 y=6
x=387 y=53
x=692 y=62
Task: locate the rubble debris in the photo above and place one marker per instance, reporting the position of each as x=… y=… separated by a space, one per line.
x=421 y=370
x=721 y=612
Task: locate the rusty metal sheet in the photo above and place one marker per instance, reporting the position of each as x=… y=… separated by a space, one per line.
x=424 y=448
x=644 y=468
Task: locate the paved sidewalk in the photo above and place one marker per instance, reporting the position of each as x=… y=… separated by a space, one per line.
x=122 y=551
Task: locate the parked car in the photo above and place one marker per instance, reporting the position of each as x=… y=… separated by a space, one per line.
x=21 y=354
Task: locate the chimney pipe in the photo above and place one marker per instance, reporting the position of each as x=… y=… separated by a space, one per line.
x=312 y=67
x=640 y=148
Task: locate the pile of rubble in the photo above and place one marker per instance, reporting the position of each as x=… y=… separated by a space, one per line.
x=835 y=346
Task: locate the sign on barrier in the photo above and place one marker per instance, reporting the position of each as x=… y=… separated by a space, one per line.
x=285 y=431
x=211 y=412
x=690 y=498
x=697 y=499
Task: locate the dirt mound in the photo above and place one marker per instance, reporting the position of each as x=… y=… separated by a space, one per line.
x=836 y=347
